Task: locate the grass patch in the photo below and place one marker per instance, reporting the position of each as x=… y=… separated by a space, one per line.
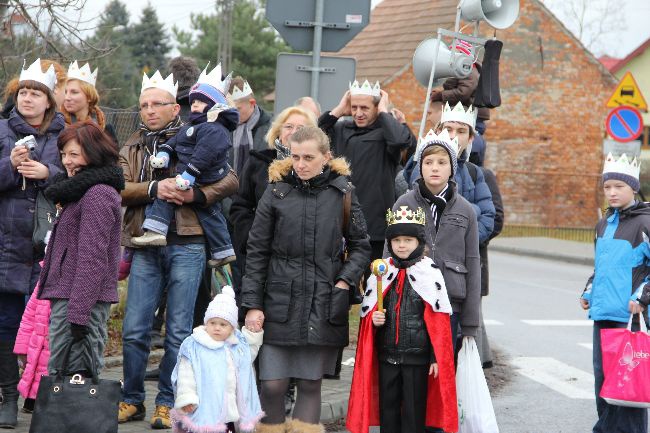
x=354 y=320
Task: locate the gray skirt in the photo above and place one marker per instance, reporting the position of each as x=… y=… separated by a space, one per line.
x=300 y=362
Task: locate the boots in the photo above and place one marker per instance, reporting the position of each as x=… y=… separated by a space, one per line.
x=270 y=428
x=297 y=426
x=8 y=381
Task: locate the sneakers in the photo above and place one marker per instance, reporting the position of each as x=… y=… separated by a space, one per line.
x=217 y=263
x=161 y=418
x=130 y=412
x=150 y=239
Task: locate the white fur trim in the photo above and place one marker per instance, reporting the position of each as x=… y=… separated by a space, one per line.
x=422 y=277
x=186 y=385
x=232 y=414
x=202 y=337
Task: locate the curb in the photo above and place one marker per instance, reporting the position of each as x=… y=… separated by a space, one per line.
x=566 y=258
x=116 y=361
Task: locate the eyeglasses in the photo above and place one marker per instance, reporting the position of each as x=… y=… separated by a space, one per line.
x=155 y=105
x=290 y=127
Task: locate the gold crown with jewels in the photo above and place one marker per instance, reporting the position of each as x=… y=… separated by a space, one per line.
x=404 y=215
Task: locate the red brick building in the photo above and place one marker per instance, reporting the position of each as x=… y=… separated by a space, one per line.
x=545 y=141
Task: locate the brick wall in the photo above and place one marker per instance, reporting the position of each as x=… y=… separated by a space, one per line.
x=545 y=141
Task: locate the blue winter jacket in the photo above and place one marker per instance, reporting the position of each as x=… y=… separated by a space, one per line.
x=18 y=262
x=622 y=264
x=202 y=148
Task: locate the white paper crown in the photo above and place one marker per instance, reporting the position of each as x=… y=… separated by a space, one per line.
x=156 y=81
x=238 y=93
x=83 y=73
x=622 y=165
x=35 y=73
x=432 y=137
x=365 y=89
x=214 y=79
x=458 y=114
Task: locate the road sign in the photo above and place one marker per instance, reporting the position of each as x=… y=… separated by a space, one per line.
x=294 y=20
x=628 y=93
x=632 y=148
x=624 y=124
x=293 y=79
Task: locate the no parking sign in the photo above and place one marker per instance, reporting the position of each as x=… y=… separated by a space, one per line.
x=624 y=123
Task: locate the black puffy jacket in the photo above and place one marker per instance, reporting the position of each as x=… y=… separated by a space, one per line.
x=294 y=256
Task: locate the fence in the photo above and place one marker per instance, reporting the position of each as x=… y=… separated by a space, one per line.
x=125 y=122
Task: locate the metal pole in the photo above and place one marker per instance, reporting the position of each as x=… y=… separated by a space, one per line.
x=436 y=49
x=318 y=38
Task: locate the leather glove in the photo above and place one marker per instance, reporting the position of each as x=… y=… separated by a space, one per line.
x=78 y=332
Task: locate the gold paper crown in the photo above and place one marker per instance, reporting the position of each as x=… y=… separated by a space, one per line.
x=405 y=216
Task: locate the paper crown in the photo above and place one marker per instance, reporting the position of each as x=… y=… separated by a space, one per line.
x=433 y=138
x=83 y=73
x=238 y=93
x=404 y=215
x=157 y=82
x=214 y=79
x=365 y=89
x=35 y=73
x=458 y=114
x=622 y=166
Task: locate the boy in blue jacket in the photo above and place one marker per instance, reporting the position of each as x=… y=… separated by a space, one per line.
x=201 y=149
x=618 y=286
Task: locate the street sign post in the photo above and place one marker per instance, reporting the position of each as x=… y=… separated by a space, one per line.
x=632 y=148
x=628 y=93
x=292 y=79
x=624 y=124
x=317 y=25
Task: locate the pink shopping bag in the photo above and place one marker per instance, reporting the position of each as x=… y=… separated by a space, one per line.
x=626 y=363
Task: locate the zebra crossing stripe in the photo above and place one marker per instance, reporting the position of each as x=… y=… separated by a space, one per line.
x=560 y=377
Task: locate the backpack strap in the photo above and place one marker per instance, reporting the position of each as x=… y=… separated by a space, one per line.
x=472 y=168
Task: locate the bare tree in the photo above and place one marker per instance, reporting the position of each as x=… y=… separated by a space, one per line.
x=591 y=21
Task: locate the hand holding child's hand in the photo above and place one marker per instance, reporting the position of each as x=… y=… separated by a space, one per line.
x=379 y=318
x=433 y=369
x=22 y=361
x=189 y=408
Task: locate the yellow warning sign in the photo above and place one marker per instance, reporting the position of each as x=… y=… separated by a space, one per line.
x=628 y=93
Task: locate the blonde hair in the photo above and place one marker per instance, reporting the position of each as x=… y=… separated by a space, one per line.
x=276 y=126
x=312 y=133
x=61 y=77
x=93 y=100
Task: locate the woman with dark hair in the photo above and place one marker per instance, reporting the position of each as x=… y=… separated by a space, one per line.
x=79 y=274
x=24 y=171
x=297 y=282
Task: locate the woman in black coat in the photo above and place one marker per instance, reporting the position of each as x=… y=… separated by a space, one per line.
x=297 y=282
x=254 y=177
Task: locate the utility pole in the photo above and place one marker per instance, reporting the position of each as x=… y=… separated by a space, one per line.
x=224 y=12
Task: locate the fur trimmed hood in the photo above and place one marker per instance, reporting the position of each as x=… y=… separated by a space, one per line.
x=282 y=167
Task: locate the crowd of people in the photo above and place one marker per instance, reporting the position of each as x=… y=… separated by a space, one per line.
x=298 y=205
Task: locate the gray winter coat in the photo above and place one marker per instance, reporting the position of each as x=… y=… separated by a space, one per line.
x=454 y=247
x=294 y=257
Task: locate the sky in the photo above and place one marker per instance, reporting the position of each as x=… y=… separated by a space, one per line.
x=636 y=15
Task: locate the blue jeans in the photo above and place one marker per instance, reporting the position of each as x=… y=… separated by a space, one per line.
x=180 y=269
x=160 y=213
x=611 y=418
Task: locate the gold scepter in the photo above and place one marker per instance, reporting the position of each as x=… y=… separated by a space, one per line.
x=379 y=269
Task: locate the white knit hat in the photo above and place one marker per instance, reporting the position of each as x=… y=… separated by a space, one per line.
x=223 y=306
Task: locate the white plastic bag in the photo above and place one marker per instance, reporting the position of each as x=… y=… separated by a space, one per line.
x=475 y=411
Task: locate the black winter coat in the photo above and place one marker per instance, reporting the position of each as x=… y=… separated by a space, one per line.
x=374 y=155
x=294 y=257
x=253 y=181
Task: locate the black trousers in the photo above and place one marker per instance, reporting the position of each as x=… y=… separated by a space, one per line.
x=402 y=397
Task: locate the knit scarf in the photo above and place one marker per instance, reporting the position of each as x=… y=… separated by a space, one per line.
x=438 y=202
x=151 y=139
x=283 y=151
x=242 y=140
x=66 y=189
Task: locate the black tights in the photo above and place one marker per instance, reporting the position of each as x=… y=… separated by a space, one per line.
x=307 y=407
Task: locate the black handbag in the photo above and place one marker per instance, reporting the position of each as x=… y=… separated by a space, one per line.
x=76 y=404
x=44 y=216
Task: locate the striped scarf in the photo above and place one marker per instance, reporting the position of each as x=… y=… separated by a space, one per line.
x=150 y=140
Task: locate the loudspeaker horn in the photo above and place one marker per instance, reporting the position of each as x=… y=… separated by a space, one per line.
x=499 y=14
x=448 y=64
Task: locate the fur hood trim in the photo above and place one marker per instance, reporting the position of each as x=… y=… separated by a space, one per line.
x=282 y=167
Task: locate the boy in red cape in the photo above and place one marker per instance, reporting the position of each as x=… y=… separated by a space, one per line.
x=404 y=375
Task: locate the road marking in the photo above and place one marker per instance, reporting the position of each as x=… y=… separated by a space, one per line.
x=560 y=377
x=349 y=362
x=589 y=346
x=492 y=322
x=558 y=322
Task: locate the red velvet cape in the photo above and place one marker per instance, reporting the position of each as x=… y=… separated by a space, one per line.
x=442 y=407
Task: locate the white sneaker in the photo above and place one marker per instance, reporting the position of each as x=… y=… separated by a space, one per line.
x=150 y=239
